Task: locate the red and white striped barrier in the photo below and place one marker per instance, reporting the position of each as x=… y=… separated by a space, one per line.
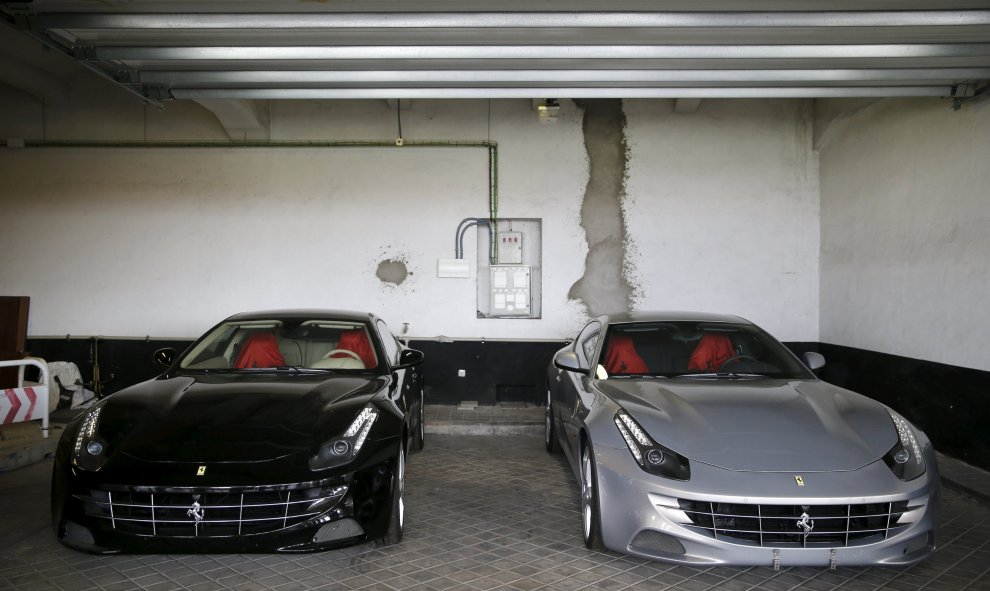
x=26 y=404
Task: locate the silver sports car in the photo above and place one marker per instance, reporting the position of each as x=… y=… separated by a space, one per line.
x=700 y=439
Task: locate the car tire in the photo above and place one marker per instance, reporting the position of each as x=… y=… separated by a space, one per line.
x=591 y=517
x=419 y=440
x=58 y=499
x=550 y=434
x=396 y=519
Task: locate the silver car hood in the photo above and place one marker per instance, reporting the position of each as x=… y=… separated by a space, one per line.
x=759 y=424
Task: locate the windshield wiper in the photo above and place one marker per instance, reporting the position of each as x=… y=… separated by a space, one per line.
x=627 y=376
x=301 y=369
x=723 y=374
x=278 y=368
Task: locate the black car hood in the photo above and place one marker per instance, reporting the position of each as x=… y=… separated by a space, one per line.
x=759 y=424
x=232 y=418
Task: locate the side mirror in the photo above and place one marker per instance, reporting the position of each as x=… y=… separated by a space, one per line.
x=568 y=361
x=165 y=357
x=813 y=360
x=410 y=357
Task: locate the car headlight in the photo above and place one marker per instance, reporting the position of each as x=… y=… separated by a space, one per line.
x=341 y=450
x=905 y=459
x=650 y=455
x=89 y=450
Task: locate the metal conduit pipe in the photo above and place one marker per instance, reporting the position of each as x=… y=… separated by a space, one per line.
x=493 y=204
x=462 y=226
x=462 y=229
x=491 y=146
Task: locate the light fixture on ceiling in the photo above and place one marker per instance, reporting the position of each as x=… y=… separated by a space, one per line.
x=548 y=110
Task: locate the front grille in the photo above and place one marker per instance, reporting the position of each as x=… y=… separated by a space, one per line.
x=210 y=512
x=802 y=526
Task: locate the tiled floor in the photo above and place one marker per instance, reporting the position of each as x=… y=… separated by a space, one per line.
x=483 y=512
x=965 y=478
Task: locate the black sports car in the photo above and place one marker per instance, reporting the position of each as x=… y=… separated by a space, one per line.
x=276 y=431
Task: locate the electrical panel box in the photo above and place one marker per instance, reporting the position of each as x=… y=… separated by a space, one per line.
x=510 y=250
x=509 y=269
x=511 y=290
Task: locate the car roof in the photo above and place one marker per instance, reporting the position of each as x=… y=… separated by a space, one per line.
x=674 y=315
x=320 y=314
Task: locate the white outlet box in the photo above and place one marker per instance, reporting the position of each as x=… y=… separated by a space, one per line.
x=461 y=373
x=456 y=268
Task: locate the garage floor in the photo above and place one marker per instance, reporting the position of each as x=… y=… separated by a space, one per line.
x=483 y=512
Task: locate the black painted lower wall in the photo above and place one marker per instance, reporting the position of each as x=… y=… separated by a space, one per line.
x=951 y=404
x=122 y=362
x=495 y=371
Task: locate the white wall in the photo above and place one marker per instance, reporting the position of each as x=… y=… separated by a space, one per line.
x=905 y=192
x=165 y=242
x=723 y=211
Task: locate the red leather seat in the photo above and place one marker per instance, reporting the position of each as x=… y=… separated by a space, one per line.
x=357 y=340
x=259 y=350
x=622 y=357
x=711 y=352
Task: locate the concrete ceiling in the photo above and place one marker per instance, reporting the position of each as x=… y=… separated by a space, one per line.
x=262 y=49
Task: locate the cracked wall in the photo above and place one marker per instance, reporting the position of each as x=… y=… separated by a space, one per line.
x=604 y=288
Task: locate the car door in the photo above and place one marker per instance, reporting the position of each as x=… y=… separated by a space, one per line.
x=571 y=386
x=392 y=347
x=407 y=392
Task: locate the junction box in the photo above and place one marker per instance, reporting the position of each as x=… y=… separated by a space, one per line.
x=510 y=285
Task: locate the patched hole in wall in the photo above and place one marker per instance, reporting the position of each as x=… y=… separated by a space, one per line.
x=393 y=271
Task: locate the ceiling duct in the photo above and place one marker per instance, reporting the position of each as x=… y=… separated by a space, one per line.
x=244 y=50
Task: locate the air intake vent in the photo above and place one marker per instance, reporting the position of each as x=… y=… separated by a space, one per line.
x=656 y=543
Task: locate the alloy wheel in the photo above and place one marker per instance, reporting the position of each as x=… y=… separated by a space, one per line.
x=400 y=488
x=549 y=422
x=587 y=493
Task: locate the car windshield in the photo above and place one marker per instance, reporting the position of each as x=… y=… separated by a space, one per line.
x=299 y=344
x=672 y=349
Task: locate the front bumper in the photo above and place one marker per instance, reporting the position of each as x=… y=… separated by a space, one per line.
x=337 y=509
x=725 y=517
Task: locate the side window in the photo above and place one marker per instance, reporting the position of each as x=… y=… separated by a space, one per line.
x=390 y=343
x=587 y=343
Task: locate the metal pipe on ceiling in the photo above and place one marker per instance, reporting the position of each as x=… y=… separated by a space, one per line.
x=290 y=77
x=522 y=52
x=524 y=20
x=571 y=92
